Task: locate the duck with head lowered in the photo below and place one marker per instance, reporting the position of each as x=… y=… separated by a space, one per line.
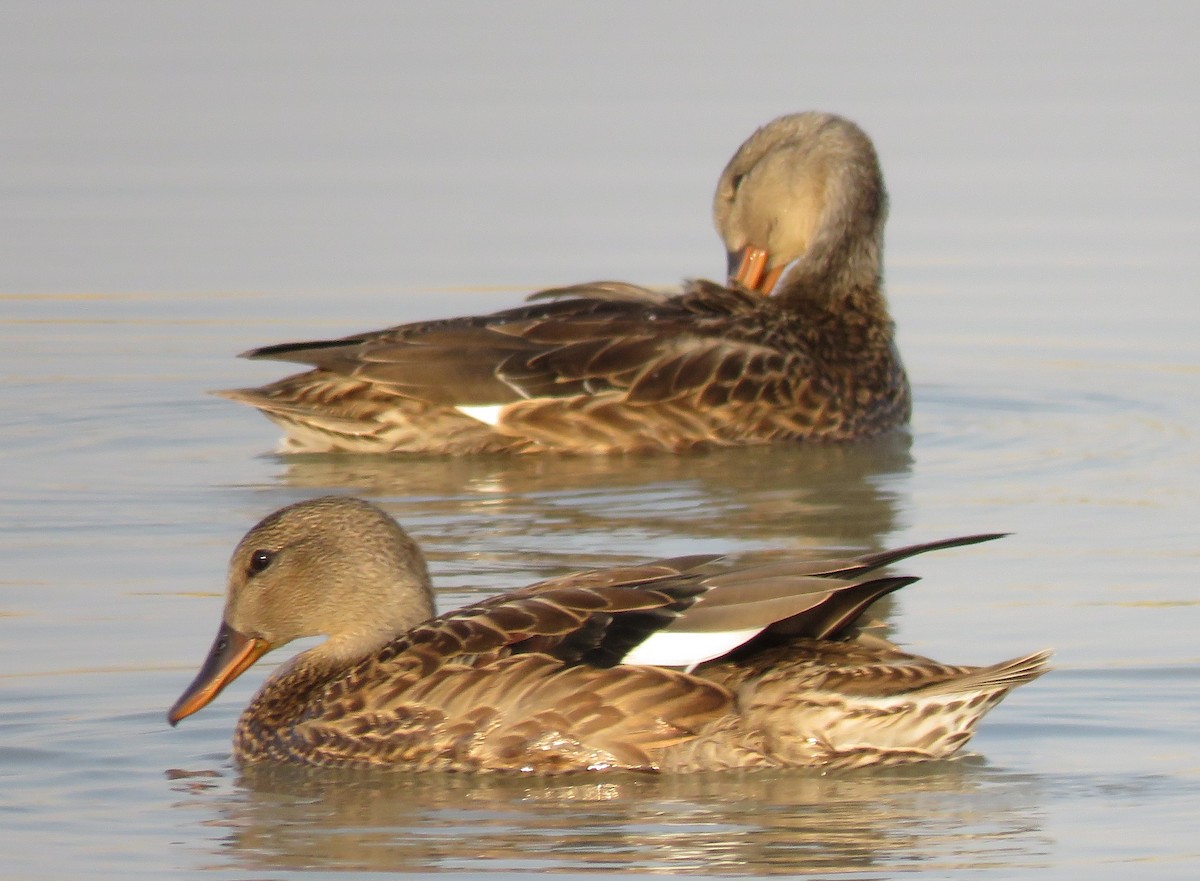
x=798 y=346
x=685 y=664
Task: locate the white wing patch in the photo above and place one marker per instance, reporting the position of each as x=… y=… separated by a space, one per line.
x=488 y=414
x=682 y=649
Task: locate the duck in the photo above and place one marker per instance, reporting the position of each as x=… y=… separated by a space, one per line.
x=687 y=664
x=797 y=345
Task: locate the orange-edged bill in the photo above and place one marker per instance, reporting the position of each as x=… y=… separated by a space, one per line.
x=748 y=268
x=231 y=655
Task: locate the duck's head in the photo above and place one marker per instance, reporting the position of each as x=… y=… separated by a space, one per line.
x=334 y=566
x=804 y=188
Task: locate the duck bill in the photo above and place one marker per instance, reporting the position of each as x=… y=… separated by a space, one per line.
x=748 y=268
x=231 y=655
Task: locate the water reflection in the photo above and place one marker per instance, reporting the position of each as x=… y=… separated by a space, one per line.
x=949 y=816
x=489 y=523
x=768 y=496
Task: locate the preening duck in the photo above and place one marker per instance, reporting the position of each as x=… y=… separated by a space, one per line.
x=687 y=664
x=798 y=346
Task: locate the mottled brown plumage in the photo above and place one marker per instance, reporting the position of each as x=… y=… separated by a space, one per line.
x=609 y=367
x=769 y=666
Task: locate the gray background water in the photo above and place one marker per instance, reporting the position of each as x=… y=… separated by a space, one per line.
x=181 y=181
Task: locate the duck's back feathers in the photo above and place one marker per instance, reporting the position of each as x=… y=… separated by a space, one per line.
x=592 y=372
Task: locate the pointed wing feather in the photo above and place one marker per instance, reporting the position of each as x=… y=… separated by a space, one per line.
x=602 y=338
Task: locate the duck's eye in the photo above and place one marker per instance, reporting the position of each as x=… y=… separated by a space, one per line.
x=259 y=561
x=735 y=182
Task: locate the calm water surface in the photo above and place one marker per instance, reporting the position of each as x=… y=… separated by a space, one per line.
x=184 y=182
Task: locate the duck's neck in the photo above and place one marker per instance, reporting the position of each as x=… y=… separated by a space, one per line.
x=841 y=271
x=837 y=291
x=265 y=725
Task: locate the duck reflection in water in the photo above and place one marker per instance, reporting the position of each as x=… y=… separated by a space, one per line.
x=943 y=816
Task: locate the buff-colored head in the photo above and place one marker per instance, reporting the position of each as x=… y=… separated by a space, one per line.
x=806 y=189
x=335 y=567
